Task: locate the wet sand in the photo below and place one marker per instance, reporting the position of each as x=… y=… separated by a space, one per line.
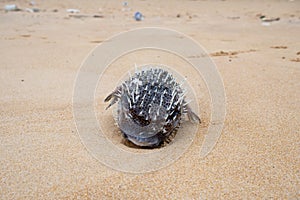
x=257 y=155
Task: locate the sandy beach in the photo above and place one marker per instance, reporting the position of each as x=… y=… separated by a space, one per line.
x=256 y=48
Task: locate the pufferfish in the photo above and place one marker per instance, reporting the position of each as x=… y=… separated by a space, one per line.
x=150 y=108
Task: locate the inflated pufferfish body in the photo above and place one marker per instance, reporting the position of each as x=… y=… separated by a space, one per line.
x=151 y=104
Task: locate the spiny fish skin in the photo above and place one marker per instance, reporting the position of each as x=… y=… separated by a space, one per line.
x=150 y=107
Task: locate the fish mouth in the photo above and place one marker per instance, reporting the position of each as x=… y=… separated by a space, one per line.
x=151 y=142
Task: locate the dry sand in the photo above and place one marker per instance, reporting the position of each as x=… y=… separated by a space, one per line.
x=257 y=155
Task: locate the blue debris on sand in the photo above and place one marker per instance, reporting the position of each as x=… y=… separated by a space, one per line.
x=138 y=16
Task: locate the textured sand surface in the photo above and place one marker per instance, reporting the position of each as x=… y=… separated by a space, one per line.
x=257 y=155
